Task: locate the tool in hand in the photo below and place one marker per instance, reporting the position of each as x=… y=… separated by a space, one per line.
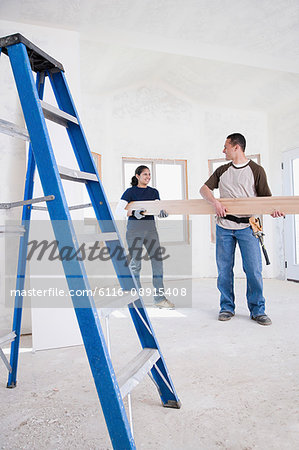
x=257 y=229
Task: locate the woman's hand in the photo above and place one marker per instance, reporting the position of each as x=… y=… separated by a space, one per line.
x=162 y=214
x=138 y=213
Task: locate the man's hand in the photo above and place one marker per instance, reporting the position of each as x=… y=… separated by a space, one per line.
x=207 y=194
x=138 y=213
x=219 y=208
x=277 y=214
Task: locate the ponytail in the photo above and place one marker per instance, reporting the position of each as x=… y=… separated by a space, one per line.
x=134 y=181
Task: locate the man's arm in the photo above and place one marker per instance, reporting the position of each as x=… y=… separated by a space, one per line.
x=207 y=194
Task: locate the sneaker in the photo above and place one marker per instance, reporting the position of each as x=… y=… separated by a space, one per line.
x=225 y=315
x=263 y=319
x=165 y=304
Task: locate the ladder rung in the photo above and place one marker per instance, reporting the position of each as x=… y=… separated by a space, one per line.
x=107 y=305
x=76 y=175
x=131 y=375
x=14 y=130
x=88 y=238
x=7 y=338
x=57 y=115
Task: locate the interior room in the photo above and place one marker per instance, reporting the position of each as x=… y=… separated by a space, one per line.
x=160 y=84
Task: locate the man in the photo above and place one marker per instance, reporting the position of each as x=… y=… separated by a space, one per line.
x=239 y=178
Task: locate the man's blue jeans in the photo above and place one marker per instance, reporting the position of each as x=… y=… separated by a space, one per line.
x=226 y=241
x=147 y=237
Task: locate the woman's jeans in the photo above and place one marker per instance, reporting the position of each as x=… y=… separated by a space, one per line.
x=148 y=237
x=226 y=241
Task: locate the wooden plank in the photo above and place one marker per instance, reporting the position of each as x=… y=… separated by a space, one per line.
x=246 y=206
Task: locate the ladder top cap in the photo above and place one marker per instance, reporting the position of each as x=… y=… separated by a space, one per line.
x=39 y=60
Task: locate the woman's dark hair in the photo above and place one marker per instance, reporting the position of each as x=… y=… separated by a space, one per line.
x=138 y=171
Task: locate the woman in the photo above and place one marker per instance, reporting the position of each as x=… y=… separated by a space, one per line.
x=141 y=231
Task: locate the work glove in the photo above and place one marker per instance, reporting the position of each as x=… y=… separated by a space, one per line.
x=162 y=214
x=138 y=213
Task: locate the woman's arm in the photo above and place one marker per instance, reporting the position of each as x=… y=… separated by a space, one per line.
x=120 y=210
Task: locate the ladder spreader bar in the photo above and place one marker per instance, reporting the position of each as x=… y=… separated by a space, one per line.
x=13 y=130
x=10 y=205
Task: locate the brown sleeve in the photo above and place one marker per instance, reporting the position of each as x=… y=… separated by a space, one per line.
x=213 y=181
x=260 y=180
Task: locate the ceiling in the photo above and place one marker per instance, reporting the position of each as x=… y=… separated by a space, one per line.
x=242 y=52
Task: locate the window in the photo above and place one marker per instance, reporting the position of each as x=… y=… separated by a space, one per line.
x=213 y=165
x=169 y=176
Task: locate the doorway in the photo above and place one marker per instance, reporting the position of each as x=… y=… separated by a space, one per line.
x=291 y=187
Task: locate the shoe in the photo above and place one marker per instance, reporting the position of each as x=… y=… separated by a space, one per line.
x=263 y=319
x=225 y=315
x=165 y=304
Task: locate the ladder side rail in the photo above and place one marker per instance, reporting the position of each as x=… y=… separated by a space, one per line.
x=87 y=316
x=95 y=189
x=161 y=375
x=21 y=270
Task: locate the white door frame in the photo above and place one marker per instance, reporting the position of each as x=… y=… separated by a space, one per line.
x=292 y=266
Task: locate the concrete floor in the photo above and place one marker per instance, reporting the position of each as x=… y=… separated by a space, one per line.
x=237 y=381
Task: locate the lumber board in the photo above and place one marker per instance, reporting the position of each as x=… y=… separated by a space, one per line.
x=246 y=206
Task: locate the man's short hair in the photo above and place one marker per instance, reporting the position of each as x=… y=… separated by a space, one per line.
x=237 y=139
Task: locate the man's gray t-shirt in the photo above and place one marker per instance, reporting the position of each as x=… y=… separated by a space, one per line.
x=248 y=180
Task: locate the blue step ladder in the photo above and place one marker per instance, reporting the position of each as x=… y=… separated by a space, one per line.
x=26 y=58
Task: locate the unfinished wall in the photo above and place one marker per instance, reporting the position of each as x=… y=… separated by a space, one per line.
x=151 y=118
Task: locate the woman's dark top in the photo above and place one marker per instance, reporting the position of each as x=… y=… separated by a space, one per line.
x=136 y=194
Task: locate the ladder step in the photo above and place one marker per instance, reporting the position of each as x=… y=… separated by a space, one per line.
x=57 y=115
x=7 y=338
x=13 y=130
x=107 y=305
x=131 y=375
x=76 y=175
x=90 y=238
